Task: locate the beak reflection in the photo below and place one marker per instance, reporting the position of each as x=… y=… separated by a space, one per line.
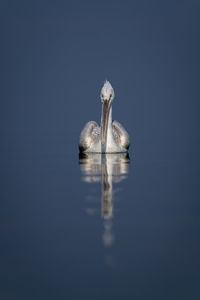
x=104 y=169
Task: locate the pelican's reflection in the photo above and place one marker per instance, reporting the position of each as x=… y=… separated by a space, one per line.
x=107 y=169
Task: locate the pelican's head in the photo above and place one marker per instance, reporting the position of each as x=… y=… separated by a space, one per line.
x=107 y=96
x=107 y=92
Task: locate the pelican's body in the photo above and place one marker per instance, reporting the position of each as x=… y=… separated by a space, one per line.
x=110 y=137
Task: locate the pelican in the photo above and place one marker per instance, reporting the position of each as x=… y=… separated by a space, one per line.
x=110 y=137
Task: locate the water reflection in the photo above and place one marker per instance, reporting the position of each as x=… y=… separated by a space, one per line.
x=106 y=169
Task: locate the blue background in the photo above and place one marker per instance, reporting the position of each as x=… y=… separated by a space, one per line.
x=55 y=56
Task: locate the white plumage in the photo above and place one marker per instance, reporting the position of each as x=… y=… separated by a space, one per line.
x=110 y=137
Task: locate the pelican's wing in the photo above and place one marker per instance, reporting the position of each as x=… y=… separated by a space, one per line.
x=89 y=136
x=121 y=135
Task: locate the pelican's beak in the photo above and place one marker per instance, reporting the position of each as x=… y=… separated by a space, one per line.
x=104 y=120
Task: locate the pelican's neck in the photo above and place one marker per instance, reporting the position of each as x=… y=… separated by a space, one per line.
x=110 y=118
x=110 y=138
x=109 y=129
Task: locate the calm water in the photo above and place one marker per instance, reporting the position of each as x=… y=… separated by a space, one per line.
x=101 y=227
x=110 y=227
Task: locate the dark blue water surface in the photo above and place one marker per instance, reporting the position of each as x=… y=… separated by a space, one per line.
x=110 y=226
